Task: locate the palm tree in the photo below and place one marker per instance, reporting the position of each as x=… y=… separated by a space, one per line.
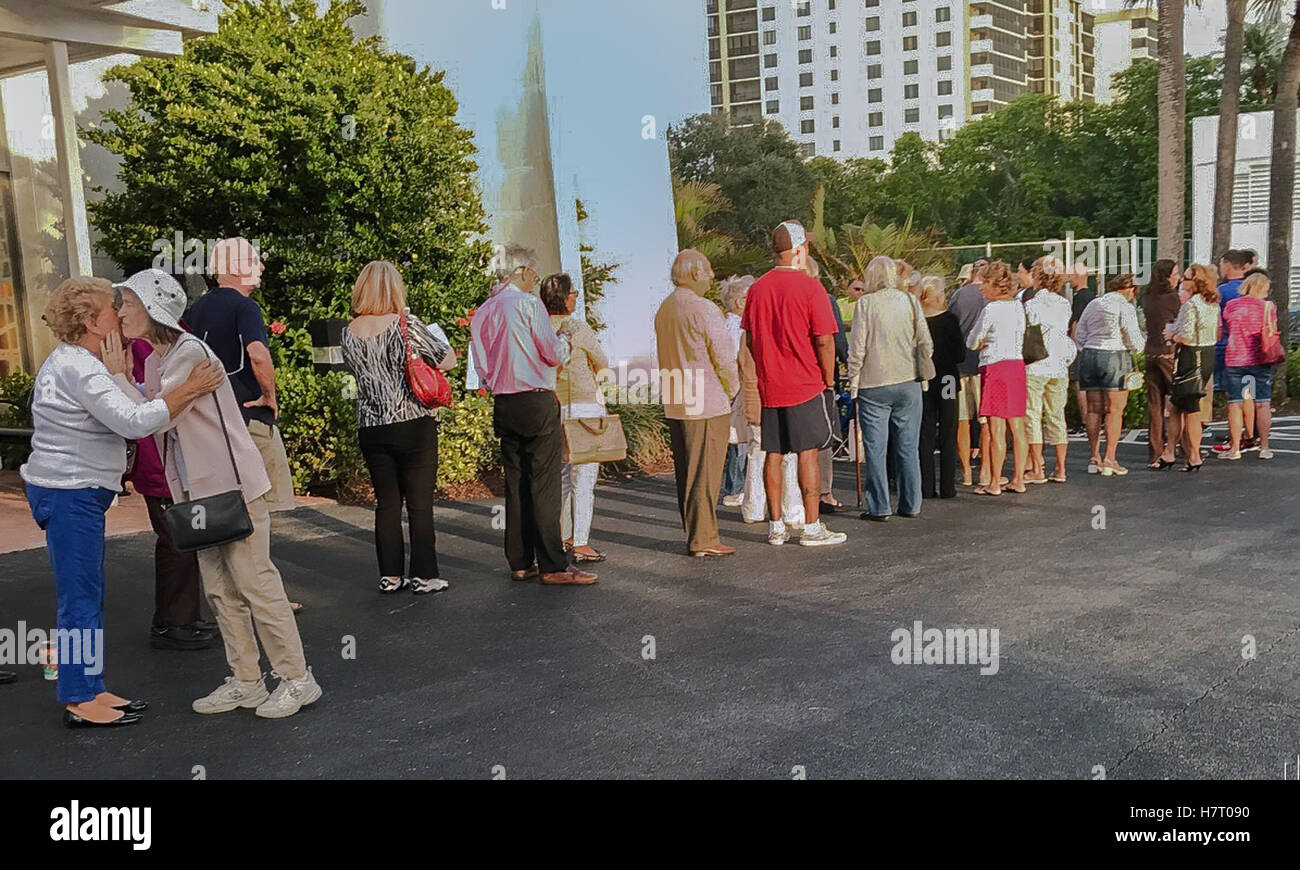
x=694 y=203
x=1264 y=43
x=1225 y=170
x=1281 y=206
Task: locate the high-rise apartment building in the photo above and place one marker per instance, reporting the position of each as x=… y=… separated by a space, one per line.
x=848 y=77
x=1123 y=36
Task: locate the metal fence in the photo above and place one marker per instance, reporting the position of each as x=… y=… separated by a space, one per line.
x=1103 y=256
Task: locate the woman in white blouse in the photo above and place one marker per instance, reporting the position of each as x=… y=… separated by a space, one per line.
x=999 y=336
x=82 y=421
x=1107 y=335
x=1048 y=380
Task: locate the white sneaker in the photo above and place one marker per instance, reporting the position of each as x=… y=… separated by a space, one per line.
x=776 y=539
x=1266 y=454
x=824 y=538
x=290 y=696
x=733 y=500
x=231 y=695
x=424 y=587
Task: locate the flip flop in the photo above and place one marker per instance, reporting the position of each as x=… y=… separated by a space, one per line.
x=1055 y=479
x=979 y=490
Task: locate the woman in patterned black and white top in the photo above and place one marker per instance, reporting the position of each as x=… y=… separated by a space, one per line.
x=398 y=435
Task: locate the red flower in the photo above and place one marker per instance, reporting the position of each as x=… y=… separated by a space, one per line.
x=462 y=321
x=277 y=327
x=458 y=352
x=482 y=392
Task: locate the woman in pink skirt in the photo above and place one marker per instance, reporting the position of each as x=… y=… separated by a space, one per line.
x=999 y=336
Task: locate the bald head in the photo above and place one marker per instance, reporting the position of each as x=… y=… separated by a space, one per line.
x=236 y=263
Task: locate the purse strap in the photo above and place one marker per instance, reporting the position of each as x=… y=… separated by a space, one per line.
x=225 y=433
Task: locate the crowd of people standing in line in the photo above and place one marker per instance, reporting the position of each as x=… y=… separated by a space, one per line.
x=137 y=367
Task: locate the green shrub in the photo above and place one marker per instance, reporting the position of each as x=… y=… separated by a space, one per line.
x=15 y=413
x=646 y=429
x=1136 y=414
x=319 y=426
x=467 y=446
x=1293 y=374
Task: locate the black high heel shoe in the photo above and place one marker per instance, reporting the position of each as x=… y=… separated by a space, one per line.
x=72 y=720
x=1189 y=467
x=1162 y=464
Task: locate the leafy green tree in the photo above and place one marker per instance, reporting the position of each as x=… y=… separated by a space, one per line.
x=330 y=151
x=595 y=274
x=854 y=187
x=758 y=169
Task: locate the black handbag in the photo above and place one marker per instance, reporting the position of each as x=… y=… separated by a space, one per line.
x=1189 y=381
x=213 y=521
x=1035 y=346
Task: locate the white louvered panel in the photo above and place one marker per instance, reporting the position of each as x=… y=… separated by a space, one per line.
x=1250 y=193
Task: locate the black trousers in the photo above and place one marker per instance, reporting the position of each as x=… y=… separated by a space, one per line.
x=938 y=428
x=532 y=452
x=177 y=584
x=403 y=463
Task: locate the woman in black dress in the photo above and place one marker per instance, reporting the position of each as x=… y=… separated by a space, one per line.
x=939 y=401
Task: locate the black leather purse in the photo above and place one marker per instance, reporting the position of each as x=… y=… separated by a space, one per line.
x=214 y=521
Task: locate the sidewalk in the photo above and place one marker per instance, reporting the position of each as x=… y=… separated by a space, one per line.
x=18 y=532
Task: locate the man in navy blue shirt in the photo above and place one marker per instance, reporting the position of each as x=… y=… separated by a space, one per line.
x=232 y=325
x=1232 y=269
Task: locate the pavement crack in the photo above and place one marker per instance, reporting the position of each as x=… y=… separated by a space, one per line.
x=1168 y=723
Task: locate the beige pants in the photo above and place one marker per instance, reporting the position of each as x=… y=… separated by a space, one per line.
x=247 y=596
x=1045 y=410
x=271 y=446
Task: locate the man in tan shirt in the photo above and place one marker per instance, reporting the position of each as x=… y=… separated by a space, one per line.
x=698 y=380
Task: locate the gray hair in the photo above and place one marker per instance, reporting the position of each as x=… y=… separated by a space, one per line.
x=733 y=290
x=933 y=284
x=511 y=259
x=882 y=274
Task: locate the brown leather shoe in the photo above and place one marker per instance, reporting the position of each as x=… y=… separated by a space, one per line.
x=571 y=577
x=719 y=550
x=526 y=574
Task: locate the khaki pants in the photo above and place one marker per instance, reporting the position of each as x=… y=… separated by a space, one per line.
x=699 y=454
x=1045 y=410
x=271 y=446
x=247 y=597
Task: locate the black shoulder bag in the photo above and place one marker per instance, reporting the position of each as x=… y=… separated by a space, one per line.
x=1034 y=348
x=214 y=521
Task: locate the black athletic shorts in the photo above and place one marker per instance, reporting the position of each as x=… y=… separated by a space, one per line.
x=799 y=428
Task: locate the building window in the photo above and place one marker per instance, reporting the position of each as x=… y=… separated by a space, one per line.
x=943 y=38
x=872 y=24
x=873 y=71
x=876 y=119
x=805 y=32
x=835 y=146
x=911 y=92
x=805 y=80
x=803 y=8
x=873 y=48
x=807 y=125
x=773 y=107
x=805 y=55
x=769 y=13
x=805 y=104
x=909 y=19
x=835 y=98
x=809 y=149
x=911 y=67
x=942 y=15
x=769 y=37
x=835 y=52
x=770 y=83
x=876 y=143
x=911 y=116
x=945 y=111
x=909 y=43
x=835 y=75
x=945 y=89
x=875 y=95
x=945 y=63
x=835 y=122
x=769 y=61
x=832 y=28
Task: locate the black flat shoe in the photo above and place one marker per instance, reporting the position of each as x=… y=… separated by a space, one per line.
x=72 y=720
x=133 y=707
x=873 y=518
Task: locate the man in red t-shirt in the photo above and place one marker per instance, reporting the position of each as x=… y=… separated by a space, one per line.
x=791 y=330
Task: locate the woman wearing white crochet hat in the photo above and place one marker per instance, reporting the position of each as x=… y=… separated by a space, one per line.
x=207 y=452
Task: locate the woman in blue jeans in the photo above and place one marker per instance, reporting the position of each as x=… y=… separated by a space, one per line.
x=889 y=335
x=81 y=421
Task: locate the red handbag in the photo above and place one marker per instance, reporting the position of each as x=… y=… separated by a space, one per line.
x=427 y=383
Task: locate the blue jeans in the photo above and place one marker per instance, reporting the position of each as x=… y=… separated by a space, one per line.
x=733 y=473
x=73 y=521
x=890 y=418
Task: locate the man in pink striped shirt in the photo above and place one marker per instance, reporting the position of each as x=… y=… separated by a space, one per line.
x=516 y=354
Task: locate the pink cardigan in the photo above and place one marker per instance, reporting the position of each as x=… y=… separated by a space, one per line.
x=197 y=430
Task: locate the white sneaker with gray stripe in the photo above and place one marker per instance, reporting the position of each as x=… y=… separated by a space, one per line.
x=231 y=695
x=823 y=538
x=290 y=696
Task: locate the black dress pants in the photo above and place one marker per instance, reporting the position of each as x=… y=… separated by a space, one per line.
x=532 y=453
x=938 y=428
x=403 y=463
x=177 y=584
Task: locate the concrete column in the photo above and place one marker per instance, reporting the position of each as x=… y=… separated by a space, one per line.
x=76 y=230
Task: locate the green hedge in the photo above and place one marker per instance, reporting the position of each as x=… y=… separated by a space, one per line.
x=15 y=413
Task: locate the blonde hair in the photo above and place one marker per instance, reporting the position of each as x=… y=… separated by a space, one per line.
x=931 y=285
x=379 y=290
x=690 y=265
x=882 y=274
x=74 y=302
x=1254 y=282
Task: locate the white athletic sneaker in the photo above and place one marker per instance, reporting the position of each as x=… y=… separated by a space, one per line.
x=424 y=587
x=776 y=539
x=1266 y=454
x=231 y=695
x=290 y=696
x=823 y=538
x=733 y=500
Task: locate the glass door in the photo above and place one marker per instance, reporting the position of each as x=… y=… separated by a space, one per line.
x=12 y=345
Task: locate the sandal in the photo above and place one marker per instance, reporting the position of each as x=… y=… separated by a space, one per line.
x=981 y=490
x=1057 y=478
x=1161 y=464
x=389 y=585
x=584 y=559
x=1190 y=467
